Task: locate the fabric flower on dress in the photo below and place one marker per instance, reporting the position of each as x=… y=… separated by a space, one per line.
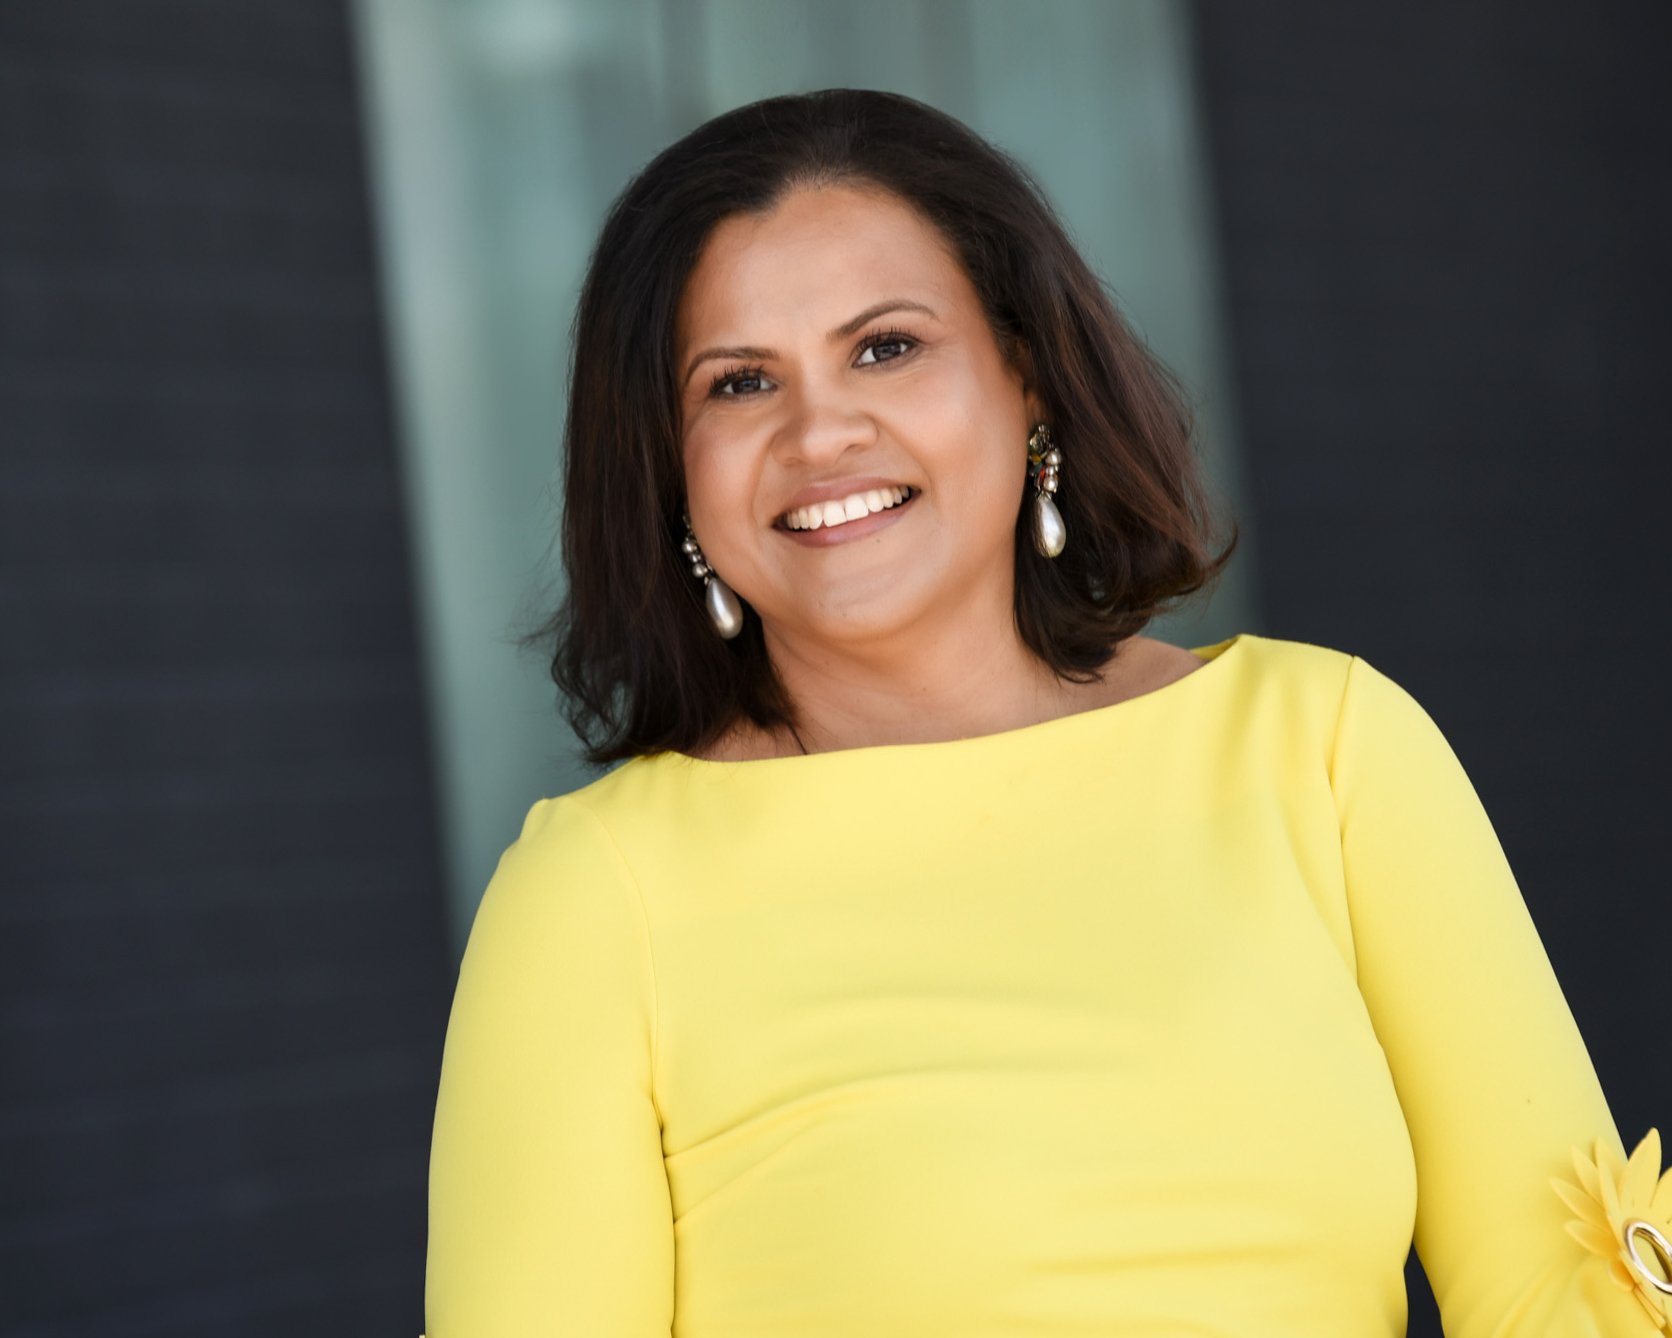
x=1622 y=1214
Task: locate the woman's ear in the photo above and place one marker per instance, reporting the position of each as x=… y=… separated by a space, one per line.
x=1021 y=359
x=1037 y=412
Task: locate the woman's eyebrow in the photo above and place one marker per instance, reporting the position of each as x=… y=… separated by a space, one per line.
x=840 y=332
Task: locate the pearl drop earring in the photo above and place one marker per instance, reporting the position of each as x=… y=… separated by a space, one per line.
x=724 y=610
x=1050 y=534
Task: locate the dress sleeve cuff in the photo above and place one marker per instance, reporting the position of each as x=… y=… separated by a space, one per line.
x=1622 y=1214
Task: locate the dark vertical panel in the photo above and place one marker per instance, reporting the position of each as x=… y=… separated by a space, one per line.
x=224 y=975
x=1444 y=234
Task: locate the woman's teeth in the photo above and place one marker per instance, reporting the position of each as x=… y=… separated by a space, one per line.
x=828 y=515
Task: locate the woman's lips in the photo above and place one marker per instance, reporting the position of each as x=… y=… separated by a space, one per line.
x=828 y=513
x=872 y=521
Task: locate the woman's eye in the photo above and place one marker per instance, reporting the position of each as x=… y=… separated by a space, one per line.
x=891 y=341
x=727 y=382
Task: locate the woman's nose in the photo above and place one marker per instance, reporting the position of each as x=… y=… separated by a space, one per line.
x=823 y=428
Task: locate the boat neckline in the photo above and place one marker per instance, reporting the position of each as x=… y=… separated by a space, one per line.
x=1211 y=655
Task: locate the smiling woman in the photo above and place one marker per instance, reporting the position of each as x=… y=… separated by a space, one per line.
x=947 y=957
x=809 y=301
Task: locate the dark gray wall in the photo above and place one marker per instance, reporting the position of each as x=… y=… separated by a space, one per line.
x=222 y=971
x=1444 y=236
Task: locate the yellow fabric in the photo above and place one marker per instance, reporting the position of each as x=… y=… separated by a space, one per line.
x=1176 y=1017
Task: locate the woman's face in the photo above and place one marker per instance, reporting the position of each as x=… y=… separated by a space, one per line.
x=834 y=359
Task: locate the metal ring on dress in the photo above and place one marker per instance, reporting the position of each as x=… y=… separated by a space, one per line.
x=1661 y=1248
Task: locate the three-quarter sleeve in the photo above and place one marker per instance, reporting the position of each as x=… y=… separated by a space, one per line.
x=548 y=1198
x=1492 y=1074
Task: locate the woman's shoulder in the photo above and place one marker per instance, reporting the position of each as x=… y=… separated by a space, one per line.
x=646 y=792
x=1241 y=669
x=1307 y=666
x=1283 y=655
x=1288 y=692
x=564 y=822
x=1246 y=654
x=1340 y=695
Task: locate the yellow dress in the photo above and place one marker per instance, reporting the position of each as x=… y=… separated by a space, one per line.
x=1175 y=1017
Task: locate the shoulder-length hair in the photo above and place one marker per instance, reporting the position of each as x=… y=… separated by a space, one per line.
x=635 y=654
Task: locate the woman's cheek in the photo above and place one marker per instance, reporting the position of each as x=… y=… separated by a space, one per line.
x=720 y=498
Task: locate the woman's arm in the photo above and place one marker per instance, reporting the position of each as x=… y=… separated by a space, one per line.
x=1494 y=1079
x=549 y=1205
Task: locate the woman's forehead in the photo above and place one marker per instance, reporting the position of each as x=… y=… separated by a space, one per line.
x=817 y=253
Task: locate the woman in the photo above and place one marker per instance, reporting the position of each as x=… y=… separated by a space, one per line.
x=948 y=957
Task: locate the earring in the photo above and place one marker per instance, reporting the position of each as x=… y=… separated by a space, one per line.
x=724 y=611
x=1045 y=460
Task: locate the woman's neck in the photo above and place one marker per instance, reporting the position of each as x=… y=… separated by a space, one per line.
x=947 y=689
x=844 y=702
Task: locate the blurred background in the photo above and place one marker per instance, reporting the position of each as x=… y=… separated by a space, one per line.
x=285 y=293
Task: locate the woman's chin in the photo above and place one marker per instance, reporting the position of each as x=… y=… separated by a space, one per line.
x=844 y=619
x=871 y=594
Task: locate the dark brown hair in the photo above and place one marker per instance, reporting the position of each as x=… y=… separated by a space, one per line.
x=641 y=666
